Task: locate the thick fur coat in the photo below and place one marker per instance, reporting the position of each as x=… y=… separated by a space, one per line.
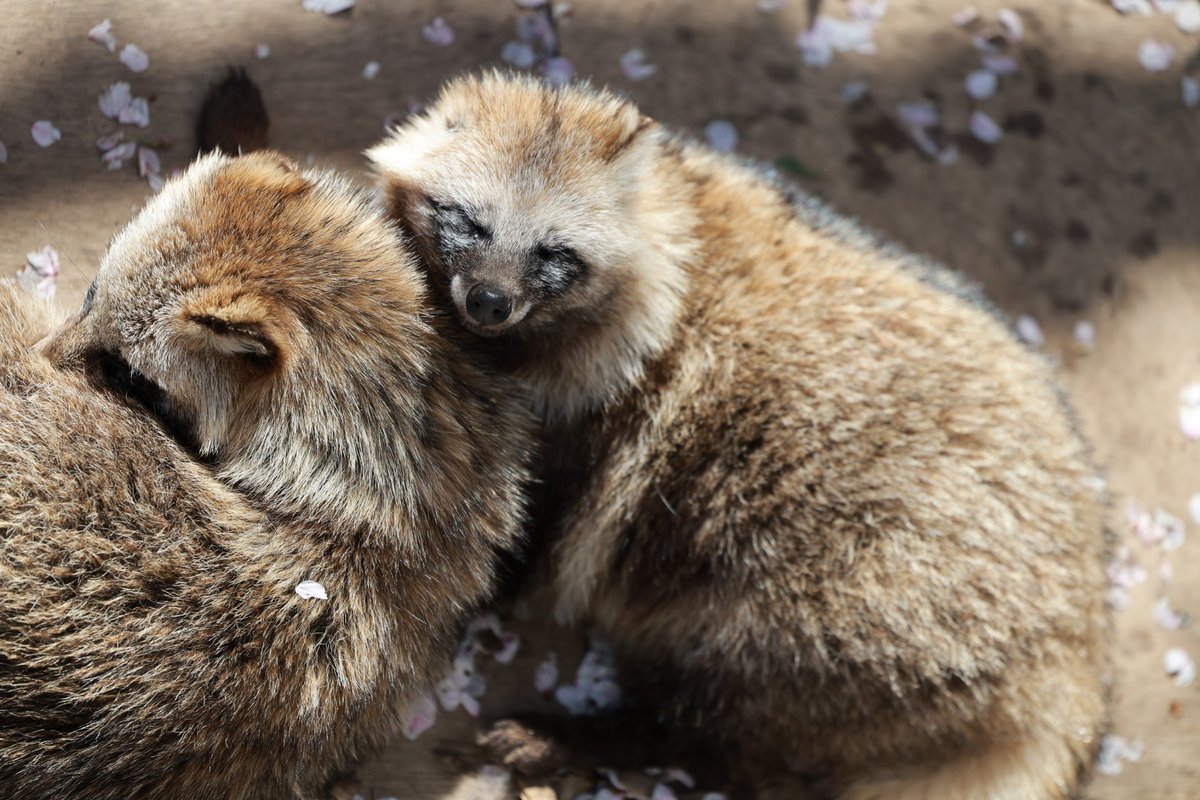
x=832 y=513
x=253 y=395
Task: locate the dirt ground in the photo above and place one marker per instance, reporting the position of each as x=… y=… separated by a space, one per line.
x=1088 y=209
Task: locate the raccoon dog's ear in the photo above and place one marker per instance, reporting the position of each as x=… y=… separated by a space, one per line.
x=234 y=324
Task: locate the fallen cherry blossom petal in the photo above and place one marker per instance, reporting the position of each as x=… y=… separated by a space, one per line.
x=872 y=10
x=1189 y=411
x=136 y=113
x=1114 y=750
x=634 y=66
x=614 y=780
x=262 y=50
x=328 y=7
x=519 y=54
x=311 y=590
x=1194 y=508
x=965 y=16
x=40 y=273
x=101 y=33
x=1179 y=667
x=510 y=644
x=981 y=84
x=572 y=698
x=984 y=128
x=419 y=717
x=135 y=58
x=44 y=133
x=853 y=91
x=148 y=162
x=1189 y=89
x=438 y=31
x=470 y=705
x=1172 y=530
x=714 y=796
x=155 y=181
x=115 y=157
x=1187 y=16
x=1010 y=21
x=604 y=793
x=680 y=776
x=1155 y=55
x=1000 y=63
x=116 y=98
x=1167 y=617
x=558 y=71
x=106 y=143
x=545 y=678
x=371 y=70
x=770 y=6
x=3 y=154
x=663 y=792
x=721 y=135
x=1030 y=331
x=919 y=114
x=1142 y=7
x=1085 y=334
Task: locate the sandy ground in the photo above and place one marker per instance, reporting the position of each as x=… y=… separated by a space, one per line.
x=1097 y=177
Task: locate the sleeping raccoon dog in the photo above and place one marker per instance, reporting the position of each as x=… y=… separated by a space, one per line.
x=809 y=485
x=318 y=427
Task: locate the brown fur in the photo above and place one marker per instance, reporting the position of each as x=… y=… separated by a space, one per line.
x=815 y=491
x=151 y=641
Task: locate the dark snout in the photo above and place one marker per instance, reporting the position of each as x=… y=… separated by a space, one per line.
x=487 y=305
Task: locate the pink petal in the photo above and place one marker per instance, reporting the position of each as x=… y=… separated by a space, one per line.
x=44 y=262
x=510 y=643
x=1179 y=666
x=633 y=64
x=371 y=70
x=101 y=33
x=135 y=58
x=1167 y=617
x=44 y=133
x=721 y=135
x=106 y=143
x=328 y=7
x=984 y=128
x=519 y=54
x=262 y=50
x=439 y=32
x=148 y=162
x=114 y=157
x=470 y=705
x=136 y=113
x=1010 y=21
x=1155 y=55
x=419 y=717
x=546 y=676
x=449 y=695
x=116 y=98
x=981 y=84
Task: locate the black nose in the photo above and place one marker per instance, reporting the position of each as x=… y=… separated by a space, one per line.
x=488 y=306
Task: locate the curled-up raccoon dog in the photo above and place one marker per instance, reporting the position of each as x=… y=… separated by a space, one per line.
x=832 y=514
x=249 y=497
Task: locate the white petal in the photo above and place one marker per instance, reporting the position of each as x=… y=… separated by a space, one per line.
x=510 y=643
x=311 y=590
x=1014 y=29
x=1085 y=334
x=3 y=154
x=155 y=181
x=327 y=6
x=573 y=699
x=680 y=776
x=545 y=678
x=981 y=84
x=135 y=58
x=1030 y=331
x=449 y=695
x=1167 y=617
x=439 y=32
x=1189 y=421
x=965 y=16
x=633 y=64
x=770 y=6
x=136 y=113
x=114 y=157
x=116 y=98
x=663 y=792
x=101 y=33
x=853 y=91
x=721 y=135
x=44 y=262
x=470 y=705
x=1000 y=63
x=606 y=695
x=1194 y=508
x=714 y=796
x=1171 y=528
x=1142 y=7
x=1179 y=666
x=1189 y=88
x=44 y=133
x=558 y=71
x=370 y=70
x=1155 y=55
x=419 y=717
x=1187 y=16
x=106 y=143
x=519 y=54
x=148 y=162
x=920 y=114
x=984 y=128
x=1114 y=750
x=262 y=50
